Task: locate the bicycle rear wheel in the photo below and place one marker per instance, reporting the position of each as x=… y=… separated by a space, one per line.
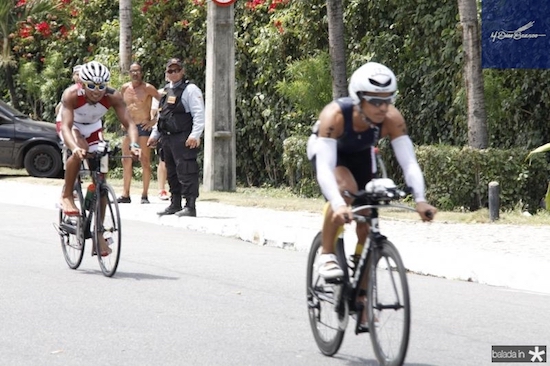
x=109 y=229
x=327 y=325
x=388 y=305
x=71 y=232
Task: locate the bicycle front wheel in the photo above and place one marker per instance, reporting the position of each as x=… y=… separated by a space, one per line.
x=106 y=233
x=388 y=305
x=72 y=233
x=326 y=323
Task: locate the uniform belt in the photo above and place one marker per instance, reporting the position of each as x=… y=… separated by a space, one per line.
x=171 y=133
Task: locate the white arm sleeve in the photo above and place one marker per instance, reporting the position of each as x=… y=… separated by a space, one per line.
x=325 y=153
x=404 y=152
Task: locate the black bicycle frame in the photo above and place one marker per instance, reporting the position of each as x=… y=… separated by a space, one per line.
x=352 y=289
x=98 y=179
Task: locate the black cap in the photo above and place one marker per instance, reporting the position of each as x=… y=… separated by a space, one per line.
x=174 y=61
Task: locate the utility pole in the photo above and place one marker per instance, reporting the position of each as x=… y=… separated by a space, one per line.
x=219 y=170
x=125 y=38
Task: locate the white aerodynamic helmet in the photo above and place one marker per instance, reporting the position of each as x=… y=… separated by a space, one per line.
x=95 y=72
x=371 y=77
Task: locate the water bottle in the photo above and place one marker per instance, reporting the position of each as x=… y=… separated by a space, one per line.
x=89 y=196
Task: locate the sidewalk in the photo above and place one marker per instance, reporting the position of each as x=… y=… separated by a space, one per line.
x=502 y=255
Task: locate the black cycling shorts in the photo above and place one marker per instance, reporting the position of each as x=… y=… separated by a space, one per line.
x=359 y=164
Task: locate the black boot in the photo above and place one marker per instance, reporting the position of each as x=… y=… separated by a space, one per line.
x=175 y=206
x=189 y=209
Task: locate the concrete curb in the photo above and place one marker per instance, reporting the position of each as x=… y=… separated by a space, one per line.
x=502 y=255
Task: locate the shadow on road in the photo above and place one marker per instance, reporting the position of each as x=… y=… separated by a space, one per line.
x=133 y=275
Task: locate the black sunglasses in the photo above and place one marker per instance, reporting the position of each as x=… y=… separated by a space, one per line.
x=378 y=101
x=172 y=71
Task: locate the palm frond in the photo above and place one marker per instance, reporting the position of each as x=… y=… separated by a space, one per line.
x=539 y=149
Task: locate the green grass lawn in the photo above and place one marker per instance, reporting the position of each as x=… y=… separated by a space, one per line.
x=284 y=199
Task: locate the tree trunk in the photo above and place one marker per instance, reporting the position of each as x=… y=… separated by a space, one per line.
x=337 y=48
x=473 y=75
x=11 y=87
x=125 y=41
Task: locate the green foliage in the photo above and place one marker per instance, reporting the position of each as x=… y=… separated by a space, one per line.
x=43 y=86
x=459 y=177
x=308 y=84
x=298 y=169
x=267 y=43
x=517 y=107
x=420 y=41
x=283 y=78
x=456 y=178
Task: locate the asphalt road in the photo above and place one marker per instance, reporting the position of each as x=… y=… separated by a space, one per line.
x=186 y=298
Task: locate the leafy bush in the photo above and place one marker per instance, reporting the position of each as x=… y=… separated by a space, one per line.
x=298 y=169
x=456 y=178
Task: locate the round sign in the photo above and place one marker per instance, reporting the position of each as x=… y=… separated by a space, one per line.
x=224 y=2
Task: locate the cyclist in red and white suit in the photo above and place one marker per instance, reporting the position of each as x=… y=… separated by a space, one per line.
x=83 y=111
x=83 y=106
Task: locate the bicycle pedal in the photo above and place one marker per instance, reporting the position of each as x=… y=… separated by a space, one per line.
x=361 y=329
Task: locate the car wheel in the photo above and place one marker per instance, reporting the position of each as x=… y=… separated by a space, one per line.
x=43 y=161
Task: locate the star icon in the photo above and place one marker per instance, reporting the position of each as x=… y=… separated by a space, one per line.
x=537 y=355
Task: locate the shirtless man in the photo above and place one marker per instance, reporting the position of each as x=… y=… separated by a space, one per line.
x=138 y=96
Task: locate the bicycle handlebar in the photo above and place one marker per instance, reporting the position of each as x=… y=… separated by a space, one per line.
x=107 y=150
x=379 y=193
x=378 y=190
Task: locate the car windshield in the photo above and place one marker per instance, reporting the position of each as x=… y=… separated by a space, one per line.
x=10 y=109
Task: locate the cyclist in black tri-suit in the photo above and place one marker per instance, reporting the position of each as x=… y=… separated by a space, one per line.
x=342 y=151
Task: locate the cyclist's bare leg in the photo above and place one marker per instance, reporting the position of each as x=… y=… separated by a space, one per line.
x=145 y=161
x=103 y=247
x=346 y=182
x=72 y=169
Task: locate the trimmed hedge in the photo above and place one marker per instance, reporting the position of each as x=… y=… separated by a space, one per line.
x=456 y=178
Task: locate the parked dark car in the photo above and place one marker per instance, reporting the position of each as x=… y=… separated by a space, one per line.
x=26 y=143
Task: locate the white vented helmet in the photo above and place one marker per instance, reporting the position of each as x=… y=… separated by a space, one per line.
x=95 y=72
x=371 y=77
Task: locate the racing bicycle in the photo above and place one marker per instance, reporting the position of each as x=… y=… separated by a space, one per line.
x=99 y=215
x=374 y=287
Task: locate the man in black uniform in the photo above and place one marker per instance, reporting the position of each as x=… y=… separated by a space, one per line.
x=180 y=125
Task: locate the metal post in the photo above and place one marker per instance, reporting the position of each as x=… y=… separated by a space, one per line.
x=494 y=201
